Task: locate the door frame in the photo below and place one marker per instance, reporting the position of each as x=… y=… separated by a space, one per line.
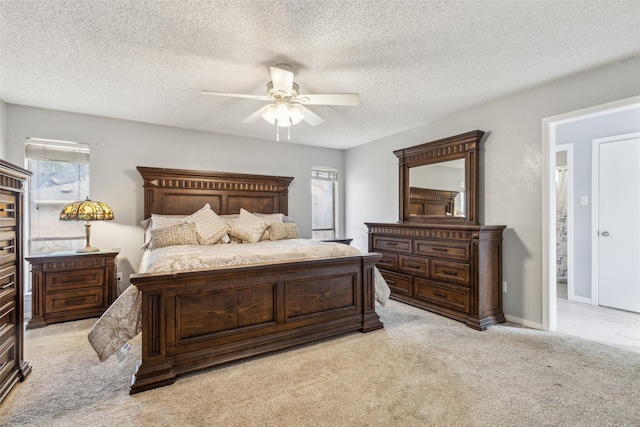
x=568 y=148
x=549 y=126
x=595 y=181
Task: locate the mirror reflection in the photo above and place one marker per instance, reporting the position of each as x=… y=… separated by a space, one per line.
x=438 y=189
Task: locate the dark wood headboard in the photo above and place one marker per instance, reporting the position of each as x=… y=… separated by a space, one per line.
x=182 y=192
x=426 y=201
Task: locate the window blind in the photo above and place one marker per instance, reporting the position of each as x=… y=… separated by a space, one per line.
x=57 y=151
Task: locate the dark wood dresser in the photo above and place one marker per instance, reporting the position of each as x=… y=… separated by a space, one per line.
x=452 y=270
x=438 y=256
x=71 y=286
x=12 y=366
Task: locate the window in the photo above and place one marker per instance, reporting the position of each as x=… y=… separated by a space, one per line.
x=60 y=176
x=324 y=196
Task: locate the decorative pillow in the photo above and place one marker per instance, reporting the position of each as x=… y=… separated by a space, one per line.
x=209 y=226
x=179 y=234
x=158 y=221
x=248 y=227
x=269 y=219
x=284 y=231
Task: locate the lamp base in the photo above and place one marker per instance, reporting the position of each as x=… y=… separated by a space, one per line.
x=88 y=249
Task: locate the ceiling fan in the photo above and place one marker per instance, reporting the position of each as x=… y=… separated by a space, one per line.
x=288 y=107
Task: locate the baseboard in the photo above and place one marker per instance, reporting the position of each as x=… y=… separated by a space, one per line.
x=581 y=300
x=523 y=322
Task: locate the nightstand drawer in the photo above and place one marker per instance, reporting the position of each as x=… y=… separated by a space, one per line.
x=75 y=279
x=454 y=272
x=443 y=295
x=442 y=249
x=413 y=265
x=77 y=300
x=396 y=244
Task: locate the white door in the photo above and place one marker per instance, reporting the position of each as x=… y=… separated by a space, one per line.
x=619 y=222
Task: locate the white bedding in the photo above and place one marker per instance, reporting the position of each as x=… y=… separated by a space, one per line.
x=122 y=320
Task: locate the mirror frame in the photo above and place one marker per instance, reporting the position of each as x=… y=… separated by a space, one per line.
x=464 y=146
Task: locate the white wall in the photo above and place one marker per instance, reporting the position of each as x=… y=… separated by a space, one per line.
x=512 y=164
x=3 y=130
x=118 y=146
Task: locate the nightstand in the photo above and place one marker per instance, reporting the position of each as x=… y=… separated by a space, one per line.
x=338 y=240
x=71 y=286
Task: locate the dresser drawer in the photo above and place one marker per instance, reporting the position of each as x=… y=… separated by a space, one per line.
x=397 y=244
x=398 y=283
x=458 y=251
x=7 y=283
x=77 y=300
x=74 y=279
x=7 y=247
x=7 y=210
x=7 y=321
x=454 y=272
x=388 y=261
x=441 y=294
x=413 y=265
x=7 y=358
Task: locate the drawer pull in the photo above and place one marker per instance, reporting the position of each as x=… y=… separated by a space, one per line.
x=413 y=265
x=391 y=282
x=439 y=249
x=8 y=285
x=6 y=248
x=392 y=244
x=450 y=273
x=440 y=294
x=384 y=261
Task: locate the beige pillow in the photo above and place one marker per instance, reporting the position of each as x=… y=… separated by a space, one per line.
x=269 y=219
x=209 y=226
x=179 y=234
x=284 y=231
x=158 y=221
x=248 y=227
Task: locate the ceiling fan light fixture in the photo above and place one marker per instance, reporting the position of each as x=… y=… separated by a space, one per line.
x=270 y=115
x=296 y=115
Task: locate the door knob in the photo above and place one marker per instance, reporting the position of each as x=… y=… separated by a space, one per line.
x=604 y=233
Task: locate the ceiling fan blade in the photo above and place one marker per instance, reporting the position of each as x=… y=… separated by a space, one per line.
x=257 y=115
x=282 y=78
x=310 y=117
x=329 y=99
x=238 y=95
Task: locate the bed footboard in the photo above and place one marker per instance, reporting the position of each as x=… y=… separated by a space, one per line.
x=198 y=319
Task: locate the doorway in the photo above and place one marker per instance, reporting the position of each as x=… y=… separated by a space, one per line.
x=549 y=142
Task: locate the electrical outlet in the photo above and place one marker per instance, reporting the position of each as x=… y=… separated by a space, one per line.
x=119 y=277
x=504 y=286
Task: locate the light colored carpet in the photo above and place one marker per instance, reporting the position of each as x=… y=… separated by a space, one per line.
x=421 y=370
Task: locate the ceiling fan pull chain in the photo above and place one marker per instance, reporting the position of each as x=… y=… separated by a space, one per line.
x=277 y=132
x=289 y=132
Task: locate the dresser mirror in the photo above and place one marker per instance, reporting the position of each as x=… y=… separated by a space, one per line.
x=438 y=180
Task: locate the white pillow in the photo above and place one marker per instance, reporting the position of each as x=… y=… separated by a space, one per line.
x=209 y=226
x=275 y=218
x=248 y=227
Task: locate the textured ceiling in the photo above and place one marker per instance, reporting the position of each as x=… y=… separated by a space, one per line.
x=411 y=61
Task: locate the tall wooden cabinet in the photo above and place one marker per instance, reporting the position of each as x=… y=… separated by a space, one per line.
x=441 y=258
x=12 y=366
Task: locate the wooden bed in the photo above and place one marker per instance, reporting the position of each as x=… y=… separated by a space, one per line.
x=426 y=201
x=198 y=319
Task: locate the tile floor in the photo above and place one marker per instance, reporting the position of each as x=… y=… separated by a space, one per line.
x=613 y=327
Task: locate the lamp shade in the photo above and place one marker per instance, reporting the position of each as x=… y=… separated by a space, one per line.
x=87 y=210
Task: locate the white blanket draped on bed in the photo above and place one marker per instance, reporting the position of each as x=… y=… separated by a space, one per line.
x=122 y=320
